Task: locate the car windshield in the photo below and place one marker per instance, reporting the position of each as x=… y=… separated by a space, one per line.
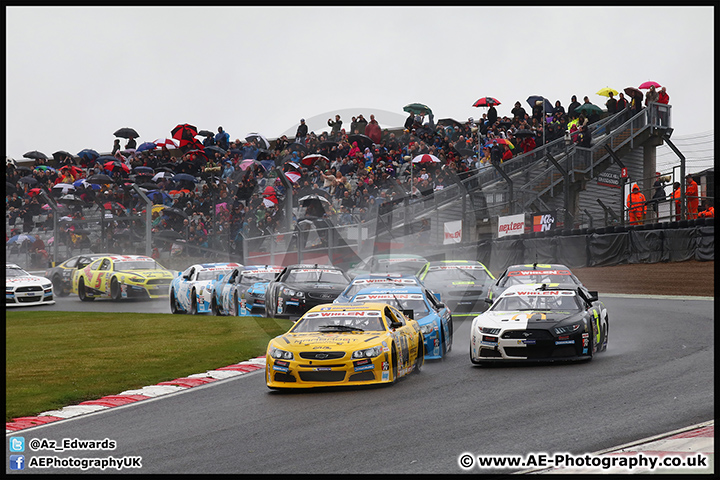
x=316 y=275
x=446 y=274
x=565 y=301
x=212 y=274
x=250 y=277
x=361 y=321
x=379 y=282
x=15 y=272
x=138 y=265
x=538 y=276
x=401 y=301
x=394 y=266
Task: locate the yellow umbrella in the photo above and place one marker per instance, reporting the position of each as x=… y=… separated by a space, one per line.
x=605 y=92
x=157 y=207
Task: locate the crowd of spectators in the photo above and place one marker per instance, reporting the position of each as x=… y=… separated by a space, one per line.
x=364 y=168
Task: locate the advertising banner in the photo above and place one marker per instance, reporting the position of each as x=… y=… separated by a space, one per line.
x=511 y=225
x=543 y=221
x=453 y=232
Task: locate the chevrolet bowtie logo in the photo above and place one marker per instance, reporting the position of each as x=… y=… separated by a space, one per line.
x=321 y=356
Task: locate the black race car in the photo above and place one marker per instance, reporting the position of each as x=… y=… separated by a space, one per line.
x=462 y=284
x=300 y=287
x=532 y=273
x=62 y=274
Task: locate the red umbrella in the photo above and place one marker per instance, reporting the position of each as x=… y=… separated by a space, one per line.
x=293 y=176
x=116 y=167
x=486 y=102
x=191 y=144
x=34 y=191
x=269 y=197
x=312 y=159
x=649 y=84
x=166 y=142
x=426 y=158
x=184 y=132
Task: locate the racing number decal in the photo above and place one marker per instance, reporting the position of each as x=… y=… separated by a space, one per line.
x=99 y=279
x=597 y=329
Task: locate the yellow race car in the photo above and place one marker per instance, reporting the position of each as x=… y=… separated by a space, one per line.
x=345 y=344
x=122 y=276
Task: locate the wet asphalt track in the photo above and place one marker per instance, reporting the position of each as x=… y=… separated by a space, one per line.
x=656 y=376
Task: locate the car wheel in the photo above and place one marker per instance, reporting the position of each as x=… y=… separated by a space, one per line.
x=592 y=339
x=269 y=307
x=214 y=306
x=82 y=293
x=394 y=364
x=234 y=310
x=420 y=357
x=115 y=289
x=193 y=303
x=58 y=288
x=173 y=303
x=606 y=329
x=475 y=362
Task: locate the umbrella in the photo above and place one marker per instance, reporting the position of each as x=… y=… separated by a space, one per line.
x=83 y=183
x=605 y=92
x=174 y=211
x=417 y=109
x=249 y=163
x=524 y=133
x=449 y=122
x=36 y=155
x=99 y=178
x=40 y=167
x=11 y=188
x=311 y=197
x=28 y=180
x=71 y=199
x=532 y=99
x=111 y=205
x=174 y=193
x=293 y=176
x=184 y=132
x=166 y=142
x=157 y=195
x=61 y=155
x=426 y=158
x=214 y=149
x=363 y=141
x=146 y=146
x=23 y=237
x=633 y=92
x=589 y=109
x=34 y=191
x=167 y=235
x=297 y=147
x=88 y=154
x=106 y=158
x=187 y=145
x=262 y=141
x=329 y=144
x=649 y=84
x=143 y=170
x=116 y=166
x=63 y=187
x=160 y=175
x=126 y=132
x=486 y=102
x=184 y=177
x=149 y=185
x=206 y=133
x=314 y=158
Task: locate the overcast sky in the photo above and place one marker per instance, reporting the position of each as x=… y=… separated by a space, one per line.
x=77 y=74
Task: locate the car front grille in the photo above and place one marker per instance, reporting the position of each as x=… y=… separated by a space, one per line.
x=328 y=376
x=530 y=333
x=32 y=288
x=323 y=296
x=321 y=355
x=159 y=281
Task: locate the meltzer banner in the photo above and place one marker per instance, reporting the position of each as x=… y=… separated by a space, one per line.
x=511 y=225
x=453 y=232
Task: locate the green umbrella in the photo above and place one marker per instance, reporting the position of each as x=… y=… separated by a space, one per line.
x=417 y=109
x=588 y=109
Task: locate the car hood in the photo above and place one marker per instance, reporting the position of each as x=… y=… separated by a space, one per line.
x=258 y=288
x=26 y=280
x=148 y=274
x=304 y=341
x=522 y=318
x=317 y=287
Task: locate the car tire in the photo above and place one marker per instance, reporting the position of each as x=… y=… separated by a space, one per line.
x=193 y=303
x=592 y=339
x=606 y=329
x=269 y=307
x=214 y=306
x=474 y=362
x=173 y=303
x=420 y=357
x=394 y=359
x=82 y=294
x=58 y=288
x=234 y=307
x=115 y=289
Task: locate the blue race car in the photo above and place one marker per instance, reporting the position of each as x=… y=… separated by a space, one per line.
x=384 y=280
x=242 y=291
x=420 y=304
x=191 y=289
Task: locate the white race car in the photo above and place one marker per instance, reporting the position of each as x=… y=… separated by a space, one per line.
x=23 y=289
x=190 y=290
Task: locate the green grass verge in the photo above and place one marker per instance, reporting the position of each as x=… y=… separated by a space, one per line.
x=55 y=359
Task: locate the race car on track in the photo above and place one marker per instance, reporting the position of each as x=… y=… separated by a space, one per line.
x=418 y=303
x=462 y=284
x=533 y=273
x=24 y=289
x=300 y=287
x=345 y=344
x=191 y=290
x=242 y=291
x=61 y=275
x=386 y=280
x=540 y=322
x=122 y=276
x=389 y=263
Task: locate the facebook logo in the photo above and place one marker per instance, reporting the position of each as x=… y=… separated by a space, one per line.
x=17 y=462
x=17 y=444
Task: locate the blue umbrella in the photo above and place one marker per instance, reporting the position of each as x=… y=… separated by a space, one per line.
x=184 y=177
x=88 y=154
x=106 y=158
x=83 y=183
x=142 y=169
x=535 y=98
x=21 y=238
x=145 y=146
x=155 y=195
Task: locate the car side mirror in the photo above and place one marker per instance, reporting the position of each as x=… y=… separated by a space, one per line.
x=593 y=296
x=408 y=313
x=437 y=296
x=489 y=301
x=396 y=324
x=440 y=306
x=220 y=277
